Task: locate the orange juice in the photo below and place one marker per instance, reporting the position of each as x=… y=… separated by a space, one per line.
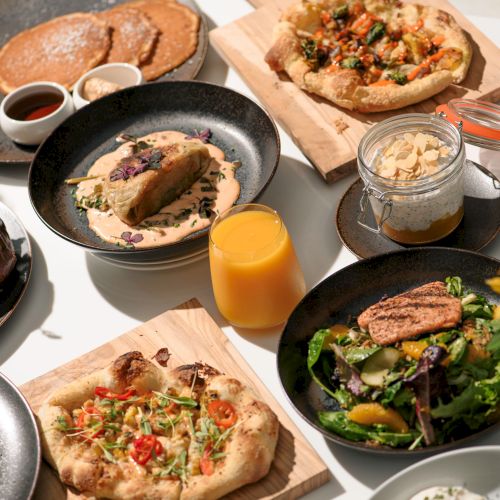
x=256 y=277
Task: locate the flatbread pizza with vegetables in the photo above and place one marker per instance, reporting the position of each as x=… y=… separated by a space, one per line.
x=369 y=55
x=135 y=431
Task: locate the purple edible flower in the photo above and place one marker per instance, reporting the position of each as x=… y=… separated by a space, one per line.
x=127 y=237
x=203 y=136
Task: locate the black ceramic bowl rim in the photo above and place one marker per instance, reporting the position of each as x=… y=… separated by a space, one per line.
x=38 y=449
x=359 y=445
x=194 y=237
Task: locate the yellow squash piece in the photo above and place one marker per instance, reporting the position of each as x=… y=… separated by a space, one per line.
x=496 y=312
x=414 y=348
x=494 y=284
x=338 y=329
x=375 y=413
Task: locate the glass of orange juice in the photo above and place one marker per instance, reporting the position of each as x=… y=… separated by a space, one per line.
x=256 y=277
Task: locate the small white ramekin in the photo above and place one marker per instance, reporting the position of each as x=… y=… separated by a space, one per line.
x=126 y=75
x=33 y=132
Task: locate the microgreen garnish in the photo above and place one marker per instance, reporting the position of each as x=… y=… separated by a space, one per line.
x=203 y=136
x=180 y=400
x=145 y=426
x=176 y=466
x=131 y=239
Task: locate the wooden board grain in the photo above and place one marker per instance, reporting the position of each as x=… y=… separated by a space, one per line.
x=313 y=122
x=191 y=335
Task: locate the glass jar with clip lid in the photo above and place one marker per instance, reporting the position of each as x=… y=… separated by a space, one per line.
x=413 y=165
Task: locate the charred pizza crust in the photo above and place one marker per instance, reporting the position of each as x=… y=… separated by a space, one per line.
x=347 y=87
x=247 y=446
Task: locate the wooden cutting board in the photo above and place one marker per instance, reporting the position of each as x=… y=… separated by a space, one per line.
x=313 y=123
x=191 y=335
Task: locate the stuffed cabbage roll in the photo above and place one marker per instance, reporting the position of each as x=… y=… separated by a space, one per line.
x=146 y=181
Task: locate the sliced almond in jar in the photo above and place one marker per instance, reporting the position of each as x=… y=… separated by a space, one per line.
x=433 y=141
x=409 y=138
x=421 y=141
x=408 y=163
x=431 y=155
x=444 y=151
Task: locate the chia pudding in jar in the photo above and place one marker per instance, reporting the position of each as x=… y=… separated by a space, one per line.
x=412 y=167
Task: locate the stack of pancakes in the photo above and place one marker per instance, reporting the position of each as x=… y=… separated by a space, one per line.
x=156 y=35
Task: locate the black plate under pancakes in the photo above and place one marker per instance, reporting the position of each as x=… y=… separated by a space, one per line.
x=20 y=451
x=241 y=128
x=18 y=15
x=347 y=293
x=14 y=286
x=480 y=225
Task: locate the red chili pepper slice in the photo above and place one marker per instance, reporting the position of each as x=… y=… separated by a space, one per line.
x=105 y=393
x=206 y=464
x=95 y=414
x=171 y=408
x=222 y=412
x=144 y=447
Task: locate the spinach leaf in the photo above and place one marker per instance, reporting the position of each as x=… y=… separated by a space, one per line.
x=457 y=349
x=398 y=77
x=477 y=310
x=316 y=346
x=494 y=344
x=358 y=354
x=376 y=31
x=454 y=286
x=351 y=62
x=474 y=403
x=338 y=422
x=340 y=12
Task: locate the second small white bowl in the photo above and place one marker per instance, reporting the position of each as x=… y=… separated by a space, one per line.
x=122 y=74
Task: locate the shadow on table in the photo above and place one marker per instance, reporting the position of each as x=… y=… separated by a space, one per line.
x=307 y=205
x=14 y=175
x=214 y=69
x=34 y=308
x=145 y=294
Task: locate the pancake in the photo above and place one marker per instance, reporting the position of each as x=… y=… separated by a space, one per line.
x=132 y=36
x=60 y=50
x=178 y=38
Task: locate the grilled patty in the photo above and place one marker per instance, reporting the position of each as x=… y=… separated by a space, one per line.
x=422 y=310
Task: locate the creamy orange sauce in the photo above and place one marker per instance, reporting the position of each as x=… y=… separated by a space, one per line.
x=174 y=221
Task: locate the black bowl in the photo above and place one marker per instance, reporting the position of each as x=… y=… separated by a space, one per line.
x=241 y=128
x=350 y=291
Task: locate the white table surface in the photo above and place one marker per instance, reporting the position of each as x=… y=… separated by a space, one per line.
x=75 y=302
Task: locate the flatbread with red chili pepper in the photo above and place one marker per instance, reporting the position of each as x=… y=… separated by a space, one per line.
x=135 y=431
x=369 y=55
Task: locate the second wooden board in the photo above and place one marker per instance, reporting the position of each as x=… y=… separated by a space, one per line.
x=326 y=134
x=191 y=335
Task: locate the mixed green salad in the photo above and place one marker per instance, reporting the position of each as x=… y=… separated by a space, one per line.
x=421 y=392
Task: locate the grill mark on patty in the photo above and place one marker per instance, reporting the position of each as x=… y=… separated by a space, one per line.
x=422 y=310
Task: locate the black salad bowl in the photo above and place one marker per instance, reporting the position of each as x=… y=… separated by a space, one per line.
x=347 y=293
x=239 y=126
